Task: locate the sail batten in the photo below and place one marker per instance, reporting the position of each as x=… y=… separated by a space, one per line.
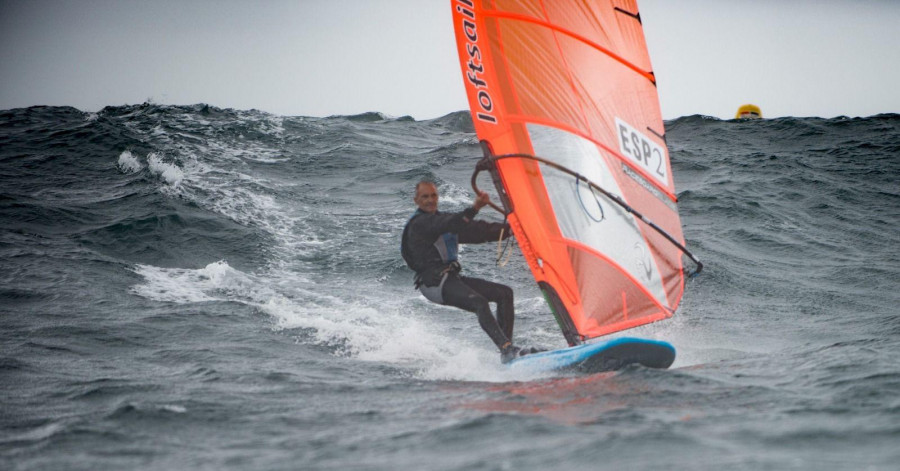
x=647 y=74
x=570 y=83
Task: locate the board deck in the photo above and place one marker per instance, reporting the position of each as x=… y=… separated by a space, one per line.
x=595 y=357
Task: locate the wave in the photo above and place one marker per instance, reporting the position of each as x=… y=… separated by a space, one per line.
x=307 y=212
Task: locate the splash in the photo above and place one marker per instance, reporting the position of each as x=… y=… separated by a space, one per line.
x=373 y=328
x=128 y=163
x=215 y=282
x=168 y=172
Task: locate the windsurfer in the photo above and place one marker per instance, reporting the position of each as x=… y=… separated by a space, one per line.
x=429 y=246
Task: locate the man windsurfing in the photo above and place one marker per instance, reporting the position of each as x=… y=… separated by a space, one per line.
x=429 y=246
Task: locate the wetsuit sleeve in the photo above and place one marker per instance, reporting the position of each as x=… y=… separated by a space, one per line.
x=433 y=225
x=477 y=232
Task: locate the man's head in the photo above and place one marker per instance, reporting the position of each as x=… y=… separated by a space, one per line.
x=426 y=196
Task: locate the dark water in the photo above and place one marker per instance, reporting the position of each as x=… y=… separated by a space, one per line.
x=198 y=288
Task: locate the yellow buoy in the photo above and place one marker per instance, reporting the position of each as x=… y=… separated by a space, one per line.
x=748 y=111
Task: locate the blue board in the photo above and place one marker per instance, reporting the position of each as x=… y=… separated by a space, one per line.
x=600 y=356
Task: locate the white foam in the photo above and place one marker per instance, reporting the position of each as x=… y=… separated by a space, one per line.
x=168 y=172
x=38 y=434
x=128 y=163
x=215 y=282
x=399 y=336
x=173 y=408
x=406 y=332
x=172 y=285
x=454 y=197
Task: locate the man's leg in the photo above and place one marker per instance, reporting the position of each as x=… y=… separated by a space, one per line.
x=456 y=293
x=496 y=293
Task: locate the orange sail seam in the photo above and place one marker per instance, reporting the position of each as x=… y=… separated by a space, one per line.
x=568 y=70
x=530 y=19
x=586 y=248
x=624 y=325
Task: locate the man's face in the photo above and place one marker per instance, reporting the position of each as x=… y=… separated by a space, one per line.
x=427 y=197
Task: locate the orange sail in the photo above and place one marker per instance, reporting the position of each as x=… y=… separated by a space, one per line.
x=570 y=82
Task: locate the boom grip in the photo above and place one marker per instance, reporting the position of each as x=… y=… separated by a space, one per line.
x=478 y=169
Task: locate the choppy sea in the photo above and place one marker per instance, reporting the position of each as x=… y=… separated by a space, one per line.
x=188 y=287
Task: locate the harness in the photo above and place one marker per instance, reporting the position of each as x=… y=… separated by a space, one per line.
x=452 y=268
x=446 y=244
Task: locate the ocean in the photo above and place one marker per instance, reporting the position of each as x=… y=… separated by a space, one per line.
x=189 y=287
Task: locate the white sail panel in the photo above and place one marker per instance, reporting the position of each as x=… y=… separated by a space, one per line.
x=588 y=218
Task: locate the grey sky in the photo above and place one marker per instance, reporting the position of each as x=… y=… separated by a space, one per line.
x=324 y=57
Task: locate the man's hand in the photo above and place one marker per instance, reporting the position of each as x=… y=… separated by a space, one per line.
x=481 y=200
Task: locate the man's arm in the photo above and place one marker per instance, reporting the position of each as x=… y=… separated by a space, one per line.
x=477 y=232
x=433 y=225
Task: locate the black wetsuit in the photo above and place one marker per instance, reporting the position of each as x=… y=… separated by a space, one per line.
x=429 y=246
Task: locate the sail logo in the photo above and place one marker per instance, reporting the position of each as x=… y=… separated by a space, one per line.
x=475 y=74
x=640 y=149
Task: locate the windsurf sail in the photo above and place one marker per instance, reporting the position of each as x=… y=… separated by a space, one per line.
x=564 y=101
